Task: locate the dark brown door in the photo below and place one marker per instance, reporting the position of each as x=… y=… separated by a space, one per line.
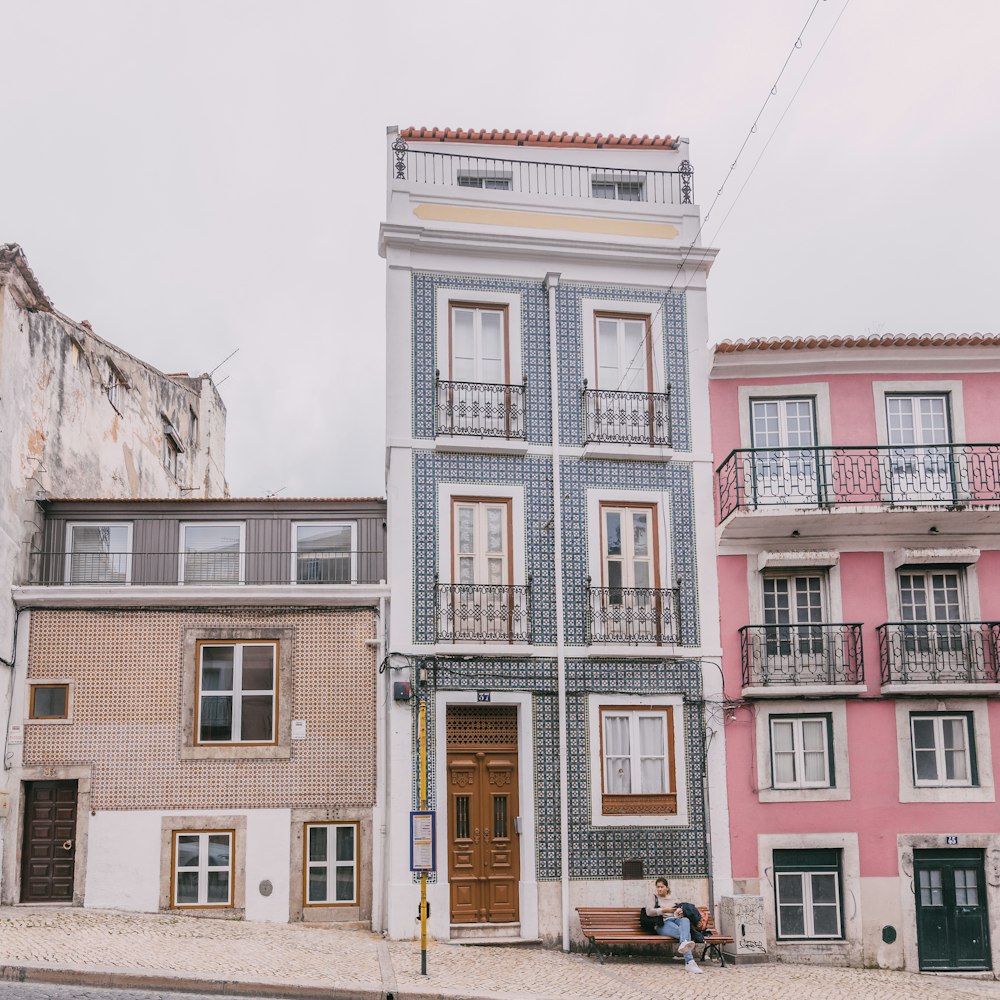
x=48 y=854
x=483 y=844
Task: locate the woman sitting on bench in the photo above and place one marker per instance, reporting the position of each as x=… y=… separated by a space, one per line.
x=668 y=919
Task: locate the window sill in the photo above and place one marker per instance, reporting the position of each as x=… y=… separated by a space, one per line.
x=795 y=795
x=236 y=753
x=972 y=690
x=805 y=691
x=632 y=452
x=470 y=444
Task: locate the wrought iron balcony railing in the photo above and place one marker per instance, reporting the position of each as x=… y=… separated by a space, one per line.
x=633 y=615
x=561 y=180
x=626 y=417
x=776 y=655
x=480 y=409
x=940 y=652
x=159 y=569
x=482 y=612
x=947 y=474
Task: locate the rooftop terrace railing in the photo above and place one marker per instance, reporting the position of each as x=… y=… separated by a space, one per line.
x=559 y=180
x=945 y=474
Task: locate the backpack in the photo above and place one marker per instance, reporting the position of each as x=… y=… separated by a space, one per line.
x=648 y=923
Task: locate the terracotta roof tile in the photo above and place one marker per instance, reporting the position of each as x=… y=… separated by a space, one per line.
x=517 y=137
x=882 y=340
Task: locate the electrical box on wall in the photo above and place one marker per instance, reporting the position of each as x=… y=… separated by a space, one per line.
x=401 y=691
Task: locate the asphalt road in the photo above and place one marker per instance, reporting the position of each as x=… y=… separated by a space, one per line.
x=45 y=991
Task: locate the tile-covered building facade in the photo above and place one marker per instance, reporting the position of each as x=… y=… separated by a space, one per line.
x=553 y=594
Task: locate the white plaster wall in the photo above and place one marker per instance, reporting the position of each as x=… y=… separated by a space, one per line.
x=123 y=861
x=269 y=843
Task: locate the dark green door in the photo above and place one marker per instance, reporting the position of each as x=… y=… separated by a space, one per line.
x=950 y=890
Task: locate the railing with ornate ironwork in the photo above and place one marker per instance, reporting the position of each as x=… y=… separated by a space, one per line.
x=160 y=569
x=778 y=655
x=633 y=615
x=482 y=612
x=566 y=180
x=940 y=652
x=480 y=409
x=947 y=474
x=626 y=417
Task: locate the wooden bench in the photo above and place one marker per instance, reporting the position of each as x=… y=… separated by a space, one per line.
x=617 y=925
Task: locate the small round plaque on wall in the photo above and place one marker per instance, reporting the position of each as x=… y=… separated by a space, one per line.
x=265 y=888
x=888 y=934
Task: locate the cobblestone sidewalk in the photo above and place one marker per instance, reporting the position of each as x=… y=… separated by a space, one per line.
x=165 y=951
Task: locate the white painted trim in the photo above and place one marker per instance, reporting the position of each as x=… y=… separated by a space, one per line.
x=446 y=294
x=182 y=548
x=70 y=525
x=803 y=558
x=841 y=762
x=353 y=525
x=951 y=387
x=968 y=580
x=910 y=792
x=829 y=571
x=819 y=391
x=659 y=501
x=516 y=543
x=528 y=884
x=931 y=557
x=673 y=701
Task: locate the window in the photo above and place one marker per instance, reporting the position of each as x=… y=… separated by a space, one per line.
x=783 y=437
x=942 y=747
x=478 y=336
x=621 y=190
x=324 y=553
x=802 y=751
x=918 y=469
x=193 y=425
x=202 y=868
x=932 y=600
x=237 y=692
x=807 y=894
x=331 y=864
x=481 y=542
x=489 y=182
x=624 y=352
x=99 y=553
x=172 y=446
x=49 y=701
x=211 y=553
x=637 y=761
x=793 y=608
x=115 y=385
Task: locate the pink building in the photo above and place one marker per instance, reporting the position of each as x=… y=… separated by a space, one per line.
x=858 y=510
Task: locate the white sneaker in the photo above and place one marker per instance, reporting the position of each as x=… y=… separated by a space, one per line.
x=693 y=967
x=685 y=946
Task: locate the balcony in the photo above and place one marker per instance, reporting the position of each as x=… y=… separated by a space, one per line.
x=465 y=612
x=781 y=660
x=626 y=418
x=633 y=615
x=218 y=569
x=960 y=657
x=551 y=180
x=478 y=409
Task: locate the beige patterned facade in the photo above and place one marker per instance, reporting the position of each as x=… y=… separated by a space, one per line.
x=127 y=669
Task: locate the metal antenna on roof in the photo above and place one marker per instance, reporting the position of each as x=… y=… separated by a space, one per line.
x=222 y=362
x=274 y=493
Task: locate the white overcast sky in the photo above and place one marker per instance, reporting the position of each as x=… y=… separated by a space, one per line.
x=195 y=177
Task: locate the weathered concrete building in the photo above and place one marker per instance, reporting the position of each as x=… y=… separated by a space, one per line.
x=81 y=417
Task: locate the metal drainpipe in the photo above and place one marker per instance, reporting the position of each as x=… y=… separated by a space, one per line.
x=551 y=283
x=379 y=921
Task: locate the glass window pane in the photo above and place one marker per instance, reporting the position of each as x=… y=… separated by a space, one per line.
x=49 y=702
x=258 y=668
x=640 y=533
x=784 y=768
x=317 y=843
x=466 y=529
x=218 y=887
x=954 y=733
x=790 y=888
x=217 y=668
x=651 y=735
x=925 y=762
x=640 y=571
x=923 y=734
x=792 y=919
x=187 y=851
x=318 y=885
x=211 y=553
x=216 y=719
x=653 y=776
x=815 y=767
x=824 y=888
x=257 y=717
x=613 y=532
x=783 y=734
x=99 y=553
x=345 y=883
x=187 y=889
x=813 y=734
x=345 y=843
x=323 y=537
x=826 y=921
x=218 y=849
x=616 y=735
x=494 y=529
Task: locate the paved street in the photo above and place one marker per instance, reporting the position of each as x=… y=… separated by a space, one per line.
x=98 y=950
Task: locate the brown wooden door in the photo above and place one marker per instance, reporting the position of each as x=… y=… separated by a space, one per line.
x=483 y=845
x=48 y=853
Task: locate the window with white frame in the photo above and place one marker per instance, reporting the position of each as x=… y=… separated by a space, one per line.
x=489 y=181
x=99 y=553
x=325 y=552
x=236 y=693
x=794 y=606
x=801 y=751
x=942 y=745
x=624 y=352
x=211 y=553
x=932 y=604
x=202 y=868
x=479 y=343
x=783 y=437
x=919 y=430
x=619 y=189
x=807 y=886
x=331 y=864
x=481 y=543
x=637 y=761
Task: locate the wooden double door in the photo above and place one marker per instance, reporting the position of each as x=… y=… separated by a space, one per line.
x=483 y=811
x=48 y=851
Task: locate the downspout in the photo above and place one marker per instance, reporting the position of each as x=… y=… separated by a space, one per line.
x=707 y=805
x=551 y=283
x=383 y=798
